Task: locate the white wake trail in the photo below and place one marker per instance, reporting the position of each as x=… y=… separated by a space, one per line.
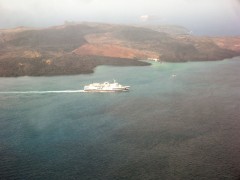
x=41 y=92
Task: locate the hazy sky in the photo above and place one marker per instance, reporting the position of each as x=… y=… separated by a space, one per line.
x=212 y=17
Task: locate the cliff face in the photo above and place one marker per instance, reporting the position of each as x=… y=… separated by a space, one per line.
x=75 y=49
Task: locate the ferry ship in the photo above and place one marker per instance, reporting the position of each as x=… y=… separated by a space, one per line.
x=106 y=87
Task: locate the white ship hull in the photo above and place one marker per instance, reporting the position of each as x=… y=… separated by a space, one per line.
x=100 y=90
x=106 y=87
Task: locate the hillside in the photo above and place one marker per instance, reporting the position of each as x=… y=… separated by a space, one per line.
x=79 y=48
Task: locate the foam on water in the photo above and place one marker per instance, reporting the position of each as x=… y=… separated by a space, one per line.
x=42 y=92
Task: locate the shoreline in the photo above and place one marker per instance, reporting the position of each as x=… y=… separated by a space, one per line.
x=114 y=63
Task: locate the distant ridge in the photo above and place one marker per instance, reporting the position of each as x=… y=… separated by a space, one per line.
x=75 y=48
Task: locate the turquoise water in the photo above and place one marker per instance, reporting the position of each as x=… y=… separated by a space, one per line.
x=166 y=127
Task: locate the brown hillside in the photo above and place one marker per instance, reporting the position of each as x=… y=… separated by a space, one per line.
x=232 y=43
x=78 y=48
x=112 y=50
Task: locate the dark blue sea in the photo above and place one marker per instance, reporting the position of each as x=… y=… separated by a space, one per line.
x=178 y=121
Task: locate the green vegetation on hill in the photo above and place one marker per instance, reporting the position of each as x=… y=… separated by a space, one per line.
x=67 y=38
x=64 y=65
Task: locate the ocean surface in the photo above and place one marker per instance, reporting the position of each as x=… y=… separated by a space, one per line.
x=178 y=121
